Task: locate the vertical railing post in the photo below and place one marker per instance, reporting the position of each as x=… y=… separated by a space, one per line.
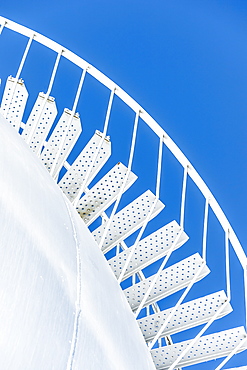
x=205 y=230
x=23 y=59
x=184 y=185
x=245 y=293
x=228 y=279
x=54 y=71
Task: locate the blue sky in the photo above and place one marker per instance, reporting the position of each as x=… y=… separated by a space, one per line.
x=183 y=61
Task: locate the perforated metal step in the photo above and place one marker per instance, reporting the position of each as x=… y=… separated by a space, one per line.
x=14 y=101
x=39 y=122
x=188 y=315
x=76 y=176
x=149 y=250
x=50 y=152
x=128 y=220
x=104 y=193
x=171 y=280
x=208 y=347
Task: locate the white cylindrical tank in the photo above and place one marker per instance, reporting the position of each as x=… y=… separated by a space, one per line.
x=61 y=306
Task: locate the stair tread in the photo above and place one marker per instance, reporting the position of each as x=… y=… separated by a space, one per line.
x=128 y=220
x=39 y=122
x=76 y=176
x=148 y=250
x=208 y=347
x=171 y=280
x=50 y=151
x=14 y=101
x=104 y=193
x=188 y=315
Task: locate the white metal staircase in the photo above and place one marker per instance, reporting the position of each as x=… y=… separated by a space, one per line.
x=143 y=263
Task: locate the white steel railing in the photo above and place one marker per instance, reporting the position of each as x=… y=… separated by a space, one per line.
x=164 y=139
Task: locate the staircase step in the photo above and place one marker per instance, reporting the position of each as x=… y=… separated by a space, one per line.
x=14 y=101
x=50 y=152
x=188 y=315
x=75 y=177
x=171 y=280
x=39 y=122
x=104 y=193
x=148 y=250
x=128 y=220
x=208 y=347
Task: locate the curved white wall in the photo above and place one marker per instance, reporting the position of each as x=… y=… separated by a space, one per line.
x=61 y=307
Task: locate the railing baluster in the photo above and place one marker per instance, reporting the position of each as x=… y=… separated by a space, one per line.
x=182 y=209
x=205 y=230
x=228 y=278
x=245 y=294
x=54 y=72
x=24 y=57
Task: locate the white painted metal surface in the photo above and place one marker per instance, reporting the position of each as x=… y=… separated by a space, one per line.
x=104 y=193
x=171 y=280
x=50 y=151
x=77 y=177
x=128 y=220
x=59 y=298
x=39 y=122
x=209 y=347
x=14 y=101
x=148 y=250
x=188 y=315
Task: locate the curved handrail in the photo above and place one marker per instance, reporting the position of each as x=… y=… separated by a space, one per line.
x=158 y=130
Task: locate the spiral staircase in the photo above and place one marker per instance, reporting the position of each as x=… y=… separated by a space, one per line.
x=119 y=177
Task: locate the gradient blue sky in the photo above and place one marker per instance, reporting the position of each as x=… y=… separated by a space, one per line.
x=185 y=62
